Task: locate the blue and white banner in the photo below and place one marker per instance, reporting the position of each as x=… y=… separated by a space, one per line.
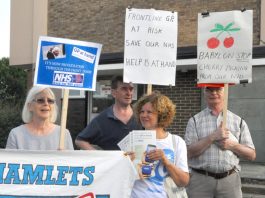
x=65 y=63
x=90 y=174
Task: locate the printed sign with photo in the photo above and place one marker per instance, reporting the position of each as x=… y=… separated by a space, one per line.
x=65 y=63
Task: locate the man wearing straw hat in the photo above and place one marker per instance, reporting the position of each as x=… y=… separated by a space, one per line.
x=214 y=149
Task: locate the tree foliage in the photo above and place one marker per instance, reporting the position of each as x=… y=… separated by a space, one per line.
x=12 y=82
x=12 y=96
x=10 y=117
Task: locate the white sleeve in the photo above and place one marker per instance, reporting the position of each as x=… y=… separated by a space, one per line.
x=11 y=141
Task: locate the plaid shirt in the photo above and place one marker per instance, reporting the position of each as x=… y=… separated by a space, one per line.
x=214 y=159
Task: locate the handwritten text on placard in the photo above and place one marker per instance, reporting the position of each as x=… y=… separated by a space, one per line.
x=150 y=46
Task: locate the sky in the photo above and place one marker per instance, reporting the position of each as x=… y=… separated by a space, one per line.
x=4 y=28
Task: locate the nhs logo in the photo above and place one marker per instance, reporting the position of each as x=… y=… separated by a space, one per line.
x=68 y=79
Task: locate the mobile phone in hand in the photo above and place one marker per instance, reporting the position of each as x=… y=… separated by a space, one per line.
x=149 y=148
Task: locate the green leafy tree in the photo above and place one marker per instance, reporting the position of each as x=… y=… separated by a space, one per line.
x=12 y=81
x=12 y=96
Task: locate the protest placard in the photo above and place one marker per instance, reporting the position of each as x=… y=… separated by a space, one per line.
x=64 y=63
x=225 y=47
x=150 y=46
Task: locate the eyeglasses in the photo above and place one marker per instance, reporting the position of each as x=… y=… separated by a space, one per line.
x=211 y=90
x=43 y=100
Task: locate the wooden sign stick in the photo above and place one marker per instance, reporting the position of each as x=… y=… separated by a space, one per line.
x=63 y=118
x=149 y=89
x=225 y=105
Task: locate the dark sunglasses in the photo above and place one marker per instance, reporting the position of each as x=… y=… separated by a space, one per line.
x=43 y=100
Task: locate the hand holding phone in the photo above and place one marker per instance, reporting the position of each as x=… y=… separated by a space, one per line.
x=149 y=148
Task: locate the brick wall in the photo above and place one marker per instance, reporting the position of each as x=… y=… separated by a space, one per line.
x=187 y=98
x=103 y=21
x=76 y=116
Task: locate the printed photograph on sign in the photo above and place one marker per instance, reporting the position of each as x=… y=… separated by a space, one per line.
x=53 y=52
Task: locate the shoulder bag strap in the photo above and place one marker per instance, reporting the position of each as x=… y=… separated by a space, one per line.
x=174 y=145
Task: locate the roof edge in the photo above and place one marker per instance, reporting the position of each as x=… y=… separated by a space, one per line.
x=189 y=52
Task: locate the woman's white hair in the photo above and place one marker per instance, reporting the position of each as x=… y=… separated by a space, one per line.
x=27 y=115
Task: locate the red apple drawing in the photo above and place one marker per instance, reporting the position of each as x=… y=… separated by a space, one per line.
x=229 y=42
x=213 y=43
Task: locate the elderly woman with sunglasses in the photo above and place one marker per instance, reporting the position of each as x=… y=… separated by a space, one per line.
x=39 y=131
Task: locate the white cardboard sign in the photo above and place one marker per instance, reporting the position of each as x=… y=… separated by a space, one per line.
x=225 y=47
x=150 y=46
